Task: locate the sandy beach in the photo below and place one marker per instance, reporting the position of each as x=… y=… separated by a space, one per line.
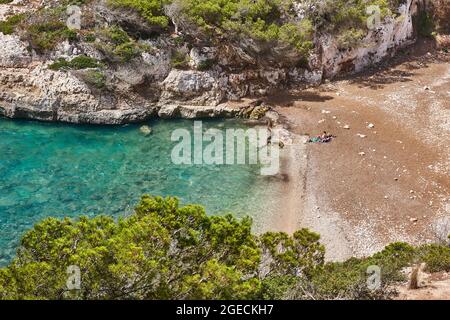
x=385 y=177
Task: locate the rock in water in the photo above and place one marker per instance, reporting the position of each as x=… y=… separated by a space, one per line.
x=145 y=130
x=258 y=112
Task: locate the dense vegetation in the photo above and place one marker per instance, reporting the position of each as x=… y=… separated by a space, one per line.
x=7 y=26
x=275 y=22
x=164 y=251
x=283 y=23
x=77 y=63
x=151 y=10
x=46 y=29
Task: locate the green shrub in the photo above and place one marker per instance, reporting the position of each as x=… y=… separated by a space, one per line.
x=8 y=26
x=392 y=259
x=340 y=279
x=151 y=10
x=274 y=20
x=95 y=78
x=301 y=253
x=259 y=19
x=298 y=35
x=348 y=279
x=117 y=35
x=46 y=27
x=179 y=59
x=436 y=257
x=164 y=251
x=350 y=38
x=47 y=35
x=118 y=45
x=5 y=1
x=179 y=40
x=347 y=20
x=77 y=63
x=425 y=24
x=341 y=15
x=90 y=37
x=278 y=287
x=126 y=51
x=206 y=64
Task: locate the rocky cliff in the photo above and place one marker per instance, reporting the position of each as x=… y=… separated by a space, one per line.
x=136 y=71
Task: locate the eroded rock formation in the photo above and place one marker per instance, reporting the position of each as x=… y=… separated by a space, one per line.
x=149 y=85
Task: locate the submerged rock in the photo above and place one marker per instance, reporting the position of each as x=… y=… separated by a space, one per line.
x=146 y=130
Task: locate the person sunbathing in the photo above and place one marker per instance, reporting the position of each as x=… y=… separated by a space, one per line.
x=323 y=138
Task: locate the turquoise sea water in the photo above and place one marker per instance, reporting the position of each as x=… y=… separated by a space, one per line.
x=59 y=170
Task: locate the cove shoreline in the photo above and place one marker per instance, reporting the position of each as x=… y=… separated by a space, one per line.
x=233 y=109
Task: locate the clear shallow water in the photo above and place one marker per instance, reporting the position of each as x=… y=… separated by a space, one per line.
x=65 y=170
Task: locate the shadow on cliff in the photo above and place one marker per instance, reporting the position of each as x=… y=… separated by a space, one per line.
x=415 y=57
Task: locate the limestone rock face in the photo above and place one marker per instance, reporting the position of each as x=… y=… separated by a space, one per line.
x=157 y=64
x=196 y=86
x=149 y=84
x=13 y=52
x=198 y=112
x=382 y=41
x=199 y=56
x=35 y=92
